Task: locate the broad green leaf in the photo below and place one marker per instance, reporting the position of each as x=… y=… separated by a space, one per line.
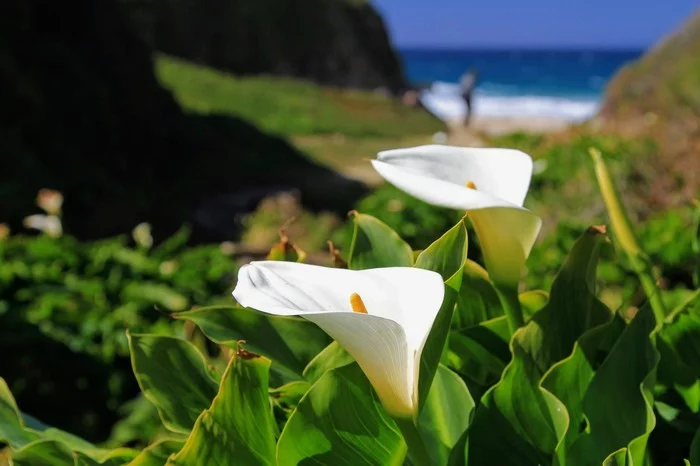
x=617 y=458
x=172 y=373
x=43 y=453
x=446 y=415
x=238 y=428
x=341 y=422
x=569 y=379
x=677 y=345
x=287 y=396
x=448 y=254
x=290 y=342
x=480 y=353
x=695 y=448
x=119 y=457
x=374 y=244
x=572 y=308
x=436 y=342
x=677 y=375
x=80 y=459
x=332 y=357
x=681 y=332
x=74 y=443
x=531 y=302
x=14 y=432
x=517 y=421
x=477 y=300
x=12 y=429
x=156 y=454
x=445 y=256
x=616 y=405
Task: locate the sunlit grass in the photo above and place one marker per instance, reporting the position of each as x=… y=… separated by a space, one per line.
x=291 y=107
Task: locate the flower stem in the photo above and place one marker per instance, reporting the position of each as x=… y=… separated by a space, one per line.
x=417 y=451
x=508 y=294
x=622 y=228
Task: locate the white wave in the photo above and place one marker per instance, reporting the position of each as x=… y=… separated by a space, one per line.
x=444 y=101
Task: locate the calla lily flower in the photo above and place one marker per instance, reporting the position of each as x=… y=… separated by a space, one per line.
x=491 y=184
x=382 y=317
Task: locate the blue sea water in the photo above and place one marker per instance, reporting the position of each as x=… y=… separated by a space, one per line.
x=566 y=84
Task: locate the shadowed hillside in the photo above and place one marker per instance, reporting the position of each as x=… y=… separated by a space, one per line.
x=84 y=114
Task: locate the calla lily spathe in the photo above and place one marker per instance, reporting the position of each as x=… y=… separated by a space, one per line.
x=382 y=317
x=491 y=184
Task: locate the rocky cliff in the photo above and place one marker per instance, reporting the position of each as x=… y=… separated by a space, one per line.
x=332 y=42
x=83 y=113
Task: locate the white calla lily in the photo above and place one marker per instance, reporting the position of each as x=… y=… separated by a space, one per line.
x=382 y=317
x=491 y=184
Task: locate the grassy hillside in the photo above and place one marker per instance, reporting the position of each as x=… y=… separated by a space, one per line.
x=291 y=107
x=659 y=97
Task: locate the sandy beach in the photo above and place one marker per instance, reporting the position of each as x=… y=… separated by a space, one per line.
x=473 y=135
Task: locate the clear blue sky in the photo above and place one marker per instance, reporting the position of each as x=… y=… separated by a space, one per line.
x=532 y=23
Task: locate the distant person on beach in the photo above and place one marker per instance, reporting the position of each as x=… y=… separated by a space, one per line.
x=467 y=84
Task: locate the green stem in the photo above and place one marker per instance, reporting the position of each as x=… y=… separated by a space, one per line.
x=643 y=270
x=508 y=294
x=622 y=228
x=417 y=451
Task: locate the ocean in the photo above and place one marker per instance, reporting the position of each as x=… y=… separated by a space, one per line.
x=565 y=84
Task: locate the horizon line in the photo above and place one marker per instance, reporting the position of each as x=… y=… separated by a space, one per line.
x=517 y=48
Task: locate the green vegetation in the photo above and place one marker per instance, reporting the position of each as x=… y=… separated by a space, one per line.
x=658 y=97
x=135 y=343
x=291 y=107
x=65 y=306
x=520 y=398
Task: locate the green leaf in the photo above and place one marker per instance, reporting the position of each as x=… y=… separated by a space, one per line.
x=119 y=457
x=374 y=244
x=156 y=454
x=617 y=458
x=572 y=308
x=447 y=414
x=238 y=428
x=677 y=345
x=332 y=357
x=290 y=342
x=287 y=396
x=477 y=300
x=531 y=302
x=448 y=254
x=12 y=428
x=436 y=343
x=18 y=435
x=517 y=421
x=615 y=404
x=681 y=332
x=73 y=442
x=43 y=453
x=569 y=379
x=695 y=448
x=340 y=421
x=173 y=375
x=480 y=353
